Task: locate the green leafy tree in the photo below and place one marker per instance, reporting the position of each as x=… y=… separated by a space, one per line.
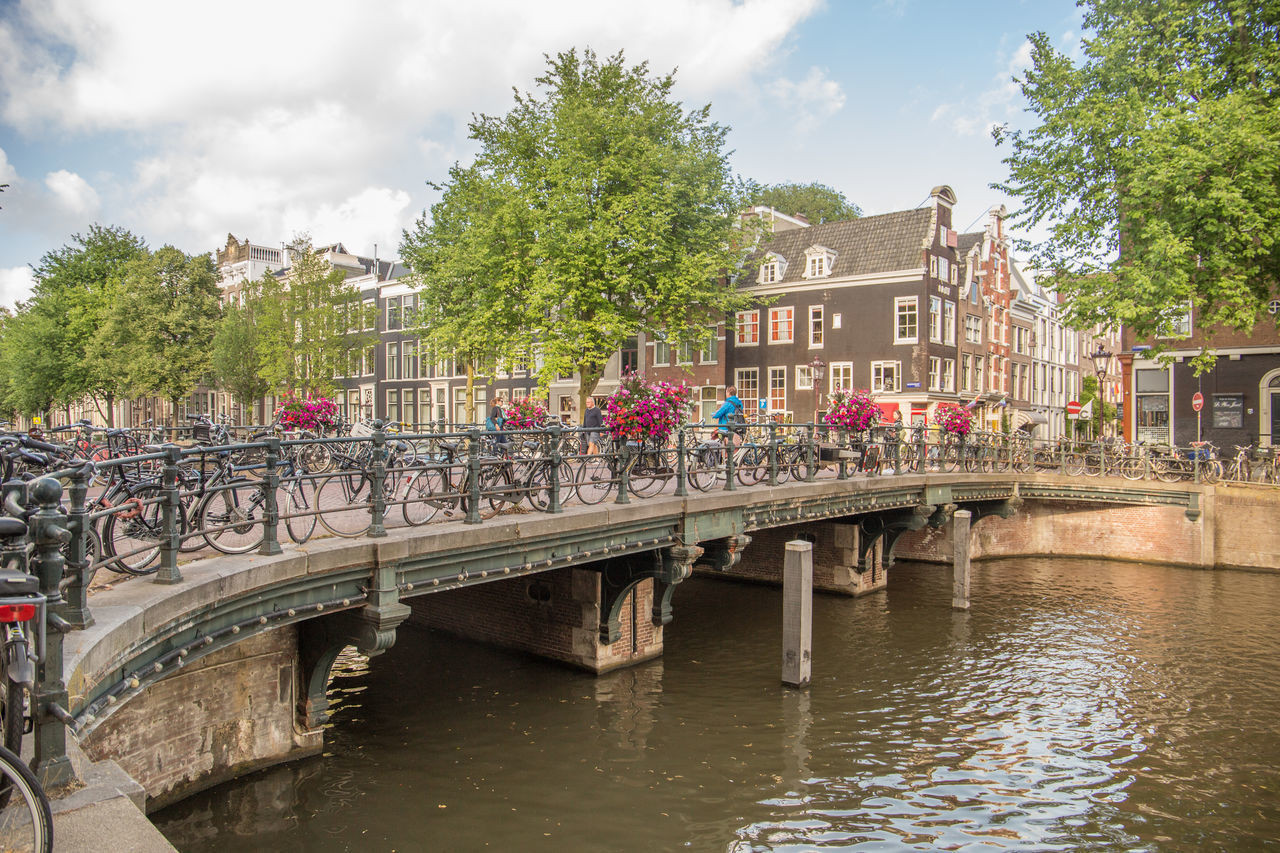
x=235 y=355
x=816 y=202
x=53 y=340
x=163 y=322
x=614 y=213
x=1154 y=163
x=465 y=258
x=303 y=323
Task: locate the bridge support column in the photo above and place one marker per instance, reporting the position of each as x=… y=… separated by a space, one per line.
x=960 y=571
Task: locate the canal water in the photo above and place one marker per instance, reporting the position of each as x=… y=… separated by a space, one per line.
x=1078 y=706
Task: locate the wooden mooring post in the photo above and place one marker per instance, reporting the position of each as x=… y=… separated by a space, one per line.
x=797 y=613
x=962 y=519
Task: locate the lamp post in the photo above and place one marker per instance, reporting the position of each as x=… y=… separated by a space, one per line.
x=818 y=370
x=1101 y=358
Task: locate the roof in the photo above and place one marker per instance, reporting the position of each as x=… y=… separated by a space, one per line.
x=965 y=242
x=864 y=246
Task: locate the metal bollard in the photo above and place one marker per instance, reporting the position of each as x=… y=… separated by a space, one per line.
x=842 y=444
x=171 y=513
x=682 y=473
x=48 y=533
x=553 y=476
x=270 y=506
x=773 y=454
x=473 y=478
x=624 y=473
x=378 y=498
x=730 y=463
x=75 y=604
x=810 y=453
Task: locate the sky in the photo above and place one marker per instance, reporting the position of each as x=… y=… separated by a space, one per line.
x=184 y=122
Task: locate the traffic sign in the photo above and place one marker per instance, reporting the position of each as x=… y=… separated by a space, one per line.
x=1197 y=401
x=1073 y=409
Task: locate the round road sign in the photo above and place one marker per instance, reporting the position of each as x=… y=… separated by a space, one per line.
x=1197 y=401
x=1073 y=408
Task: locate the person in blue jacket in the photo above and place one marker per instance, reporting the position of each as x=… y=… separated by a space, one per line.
x=730 y=410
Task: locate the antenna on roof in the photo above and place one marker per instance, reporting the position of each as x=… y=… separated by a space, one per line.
x=375 y=262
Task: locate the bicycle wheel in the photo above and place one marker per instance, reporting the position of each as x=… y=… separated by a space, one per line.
x=752 y=466
x=344 y=501
x=594 y=480
x=426 y=494
x=1133 y=468
x=950 y=456
x=131 y=538
x=297 y=511
x=1210 y=471
x=497 y=487
x=12 y=705
x=230 y=519
x=315 y=458
x=649 y=474
x=26 y=824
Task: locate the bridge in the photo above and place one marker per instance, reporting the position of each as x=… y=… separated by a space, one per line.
x=220 y=664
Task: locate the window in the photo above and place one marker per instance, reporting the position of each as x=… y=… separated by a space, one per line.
x=393 y=313
x=709 y=399
x=684 y=353
x=630 y=356
x=818 y=261
x=966 y=380
x=406 y=406
x=949 y=323
x=884 y=375
x=979 y=363
x=370 y=315
x=1177 y=324
x=441 y=414
x=949 y=375
x=815 y=326
x=368 y=358
x=393 y=361
x=935 y=319
x=804 y=377
x=748 y=381
x=393 y=404
x=817 y=266
x=773 y=269
x=777 y=389
x=409 y=357
x=409 y=313
x=661 y=351
x=841 y=376
x=944 y=269
x=748 y=328
x=905 y=329
x=836 y=320
x=781 y=325
x=973 y=328
x=1273 y=307
x=710 y=349
x=935 y=373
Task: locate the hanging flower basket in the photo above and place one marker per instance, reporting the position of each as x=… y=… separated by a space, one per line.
x=524 y=413
x=852 y=411
x=646 y=412
x=310 y=412
x=953 y=419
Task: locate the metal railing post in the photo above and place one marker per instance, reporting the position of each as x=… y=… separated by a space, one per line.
x=75 y=604
x=682 y=473
x=270 y=506
x=49 y=700
x=773 y=454
x=473 y=478
x=730 y=462
x=378 y=482
x=810 y=453
x=624 y=473
x=553 y=476
x=170 y=513
x=842 y=445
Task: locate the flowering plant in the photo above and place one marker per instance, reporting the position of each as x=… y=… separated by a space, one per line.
x=953 y=419
x=853 y=411
x=310 y=412
x=645 y=411
x=524 y=413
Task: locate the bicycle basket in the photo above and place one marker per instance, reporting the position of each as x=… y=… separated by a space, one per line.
x=202 y=433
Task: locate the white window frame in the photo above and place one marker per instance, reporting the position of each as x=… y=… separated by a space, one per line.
x=899 y=304
x=804 y=377
x=661 y=351
x=816 y=332
x=949 y=375
x=949 y=323
x=749 y=403
x=839 y=368
x=789 y=311
x=742 y=321
x=780 y=374
x=935 y=319
x=818 y=261
x=935 y=373
x=879 y=374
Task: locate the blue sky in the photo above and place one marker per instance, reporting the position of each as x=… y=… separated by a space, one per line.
x=184 y=122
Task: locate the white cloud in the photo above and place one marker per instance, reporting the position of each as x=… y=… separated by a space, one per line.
x=72 y=192
x=255 y=115
x=994 y=105
x=15 y=285
x=812 y=99
x=7 y=172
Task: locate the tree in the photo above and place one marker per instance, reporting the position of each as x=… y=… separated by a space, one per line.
x=816 y=202
x=235 y=355
x=464 y=258
x=305 y=321
x=53 y=338
x=613 y=211
x=163 y=323
x=1154 y=166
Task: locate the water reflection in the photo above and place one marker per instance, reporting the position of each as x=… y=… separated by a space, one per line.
x=1076 y=706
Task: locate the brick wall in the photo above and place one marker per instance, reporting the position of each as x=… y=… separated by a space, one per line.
x=217 y=718
x=835 y=557
x=1247 y=527
x=552 y=614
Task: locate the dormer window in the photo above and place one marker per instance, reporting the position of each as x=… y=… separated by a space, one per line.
x=773 y=269
x=818 y=261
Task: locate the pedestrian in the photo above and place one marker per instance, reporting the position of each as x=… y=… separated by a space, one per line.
x=592 y=423
x=493 y=424
x=730 y=415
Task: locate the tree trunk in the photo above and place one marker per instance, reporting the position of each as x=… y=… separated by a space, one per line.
x=471 y=393
x=589 y=376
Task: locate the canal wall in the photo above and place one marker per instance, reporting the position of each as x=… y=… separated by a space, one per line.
x=553 y=614
x=835 y=558
x=220 y=717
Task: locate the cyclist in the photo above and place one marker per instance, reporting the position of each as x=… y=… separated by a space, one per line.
x=730 y=416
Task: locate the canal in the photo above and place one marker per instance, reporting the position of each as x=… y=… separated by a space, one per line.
x=1078 y=706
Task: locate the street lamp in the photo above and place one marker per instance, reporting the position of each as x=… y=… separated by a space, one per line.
x=1101 y=358
x=818 y=369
